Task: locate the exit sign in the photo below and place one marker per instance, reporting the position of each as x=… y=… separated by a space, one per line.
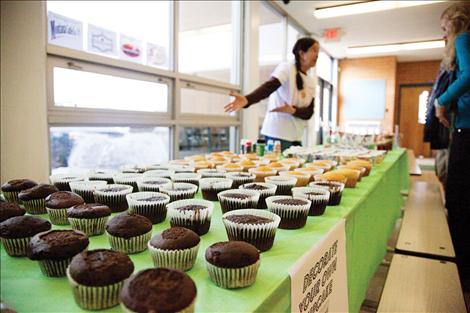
x=332 y=34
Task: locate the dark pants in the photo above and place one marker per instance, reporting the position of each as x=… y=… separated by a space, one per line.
x=284 y=143
x=458 y=199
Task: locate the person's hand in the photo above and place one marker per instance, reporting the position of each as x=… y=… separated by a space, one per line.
x=441 y=114
x=285 y=108
x=238 y=103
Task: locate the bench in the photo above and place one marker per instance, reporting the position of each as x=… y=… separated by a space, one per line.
x=417 y=284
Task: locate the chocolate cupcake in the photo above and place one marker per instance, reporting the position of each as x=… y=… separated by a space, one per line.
x=194 y=214
x=232 y=264
x=89 y=218
x=33 y=199
x=163 y=173
x=114 y=196
x=97 y=277
x=265 y=190
x=180 y=168
x=318 y=196
x=16 y=232
x=190 y=178
x=293 y=211
x=150 y=183
x=335 y=189
x=54 y=249
x=211 y=173
x=175 y=247
x=132 y=169
x=240 y=178
x=61 y=181
x=10 y=209
x=57 y=204
x=159 y=290
x=156 y=166
x=102 y=174
x=129 y=232
x=257 y=227
x=129 y=179
x=210 y=187
x=179 y=191
x=12 y=188
x=85 y=189
x=284 y=184
x=237 y=199
x=152 y=205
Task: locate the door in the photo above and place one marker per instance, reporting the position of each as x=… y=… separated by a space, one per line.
x=412 y=110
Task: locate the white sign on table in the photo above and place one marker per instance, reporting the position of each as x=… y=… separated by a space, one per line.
x=318 y=278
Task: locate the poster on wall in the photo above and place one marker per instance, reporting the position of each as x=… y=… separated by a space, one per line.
x=64 y=31
x=156 y=55
x=130 y=49
x=318 y=278
x=101 y=40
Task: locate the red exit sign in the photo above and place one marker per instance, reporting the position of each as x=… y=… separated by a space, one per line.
x=332 y=34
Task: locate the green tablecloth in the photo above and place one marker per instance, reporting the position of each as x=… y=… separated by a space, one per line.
x=370 y=210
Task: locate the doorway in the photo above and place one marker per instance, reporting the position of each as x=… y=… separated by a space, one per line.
x=412 y=105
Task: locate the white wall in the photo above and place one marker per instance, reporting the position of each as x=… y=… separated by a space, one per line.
x=24 y=134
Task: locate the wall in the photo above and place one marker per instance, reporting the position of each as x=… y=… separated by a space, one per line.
x=375 y=69
x=24 y=144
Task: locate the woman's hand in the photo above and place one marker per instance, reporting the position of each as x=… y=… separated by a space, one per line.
x=237 y=104
x=285 y=108
x=441 y=114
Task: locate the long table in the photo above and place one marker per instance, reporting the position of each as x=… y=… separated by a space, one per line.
x=370 y=211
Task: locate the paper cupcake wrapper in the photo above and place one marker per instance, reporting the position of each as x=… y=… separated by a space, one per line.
x=86 y=190
x=176 y=195
x=183 y=259
x=158 y=173
x=259 y=235
x=129 y=182
x=54 y=268
x=108 y=179
x=129 y=245
x=205 y=173
x=189 y=309
x=238 y=181
x=87 y=195
x=283 y=186
x=230 y=278
x=319 y=202
x=58 y=216
x=115 y=200
x=12 y=196
x=95 y=297
x=63 y=183
x=198 y=222
x=156 y=212
x=16 y=246
x=230 y=169
x=215 y=183
x=229 y=204
x=263 y=194
x=91 y=226
x=292 y=216
x=36 y=206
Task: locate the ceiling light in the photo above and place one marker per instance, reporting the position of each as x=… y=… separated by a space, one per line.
x=396 y=47
x=366 y=7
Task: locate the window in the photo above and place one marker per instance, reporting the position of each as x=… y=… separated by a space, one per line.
x=81 y=148
x=270 y=41
x=324 y=66
x=136 y=31
x=199 y=100
x=209 y=39
x=201 y=140
x=422 y=109
x=292 y=35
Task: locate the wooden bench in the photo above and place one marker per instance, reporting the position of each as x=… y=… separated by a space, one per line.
x=413 y=167
x=417 y=284
x=424 y=230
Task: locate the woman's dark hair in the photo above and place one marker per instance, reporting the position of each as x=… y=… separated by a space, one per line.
x=303 y=44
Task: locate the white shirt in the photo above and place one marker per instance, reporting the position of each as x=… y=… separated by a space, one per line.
x=284 y=125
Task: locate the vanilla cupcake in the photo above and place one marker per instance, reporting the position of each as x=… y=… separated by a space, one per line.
x=303 y=178
x=247 y=164
x=362 y=170
x=311 y=171
x=179 y=191
x=191 y=178
x=230 y=167
x=262 y=172
x=195 y=158
x=114 y=196
x=236 y=199
x=240 y=178
x=85 y=189
x=352 y=176
x=210 y=187
x=149 y=183
x=265 y=190
x=219 y=160
x=335 y=188
x=249 y=156
x=293 y=211
x=194 y=214
x=291 y=164
x=61 y=181
x=284 y=184
x=318 y=196
x=128 y=179
x=321 y=164
x=330 y=176
x=152 y=205
x=362 y=163
x=257 y=227
x=202 y=165
x=279 y=167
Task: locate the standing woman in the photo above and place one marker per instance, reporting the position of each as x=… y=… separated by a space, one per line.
x=291 y=96
x=455 y=22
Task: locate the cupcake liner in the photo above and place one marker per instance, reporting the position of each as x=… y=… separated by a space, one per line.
x=178 y=168
x=238 y=181
x=54 y=268
x=95 y=297
x=302 y=180
x=312 y=172
x=284 y=184
x=176 y=195
x=211 y=173
x=291 y=164
x=190 y=178
x=102 y=174
x=58 y=216
x=85 y=189
x=260 y=175
x=199 y=222
x=132 y=169
x=280 y=168
x=230 y=278
x=61 y=181
x=129 y=245
x=152 y=167
x=16 y=246
x=292 y=216
x=158 y=173
x=210 y=187
x=228 y=204
x=128 y=179
x=90 y=226
x=319 y=202
x=115 y=200
x=259 y=235
x=12 y=196
x=335 y=189
x=182 y=259
x=144 y=185
x=155 y=211
x=189 y=309
x=230 y=169
x=263 y=194
x=35 y=206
